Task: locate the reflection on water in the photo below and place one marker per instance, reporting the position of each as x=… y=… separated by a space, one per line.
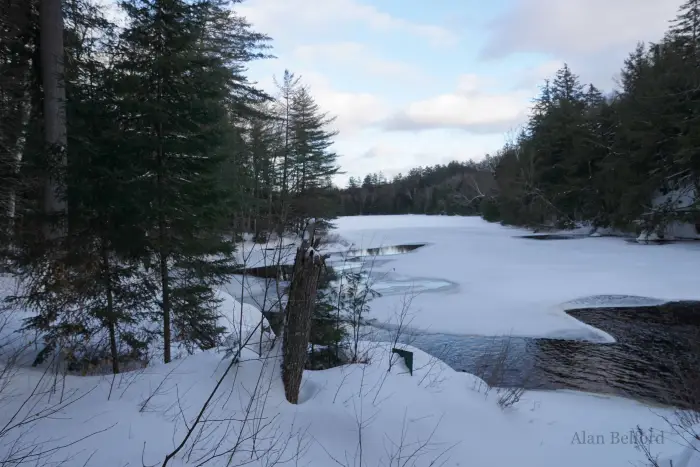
x=552 y=236
x=656 y=353
x=384 y=250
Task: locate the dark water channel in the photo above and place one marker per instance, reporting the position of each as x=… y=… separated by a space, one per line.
x=656 y=357
x=552 y=236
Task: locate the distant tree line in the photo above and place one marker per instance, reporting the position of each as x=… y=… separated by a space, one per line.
x=628 y=160
x=133 y=157
x=456 y=188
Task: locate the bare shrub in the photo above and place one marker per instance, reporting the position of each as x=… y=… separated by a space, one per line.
x=682 y=393
x=399 y=452
x=250 y=435
x=508 y=397
x=401 y=322
x=492 y=368
x=354 y=296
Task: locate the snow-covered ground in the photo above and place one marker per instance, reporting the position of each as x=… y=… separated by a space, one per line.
x=364 y=415
x=507 y=285
x=358 y=415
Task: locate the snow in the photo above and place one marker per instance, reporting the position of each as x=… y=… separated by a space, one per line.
x=243 y=323
x=688 y=457
x=651 y=237
x=446 y=412
x=477 y=278
x=507 y=285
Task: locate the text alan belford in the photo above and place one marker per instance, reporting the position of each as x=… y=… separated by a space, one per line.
x=650 y=436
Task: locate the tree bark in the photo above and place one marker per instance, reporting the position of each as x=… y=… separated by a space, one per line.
x=52 y=67
x=111 y=315
x=297 y=329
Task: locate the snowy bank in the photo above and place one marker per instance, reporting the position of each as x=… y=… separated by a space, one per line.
x=356 y=415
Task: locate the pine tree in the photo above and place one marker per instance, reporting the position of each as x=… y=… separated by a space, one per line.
x=327 y=329
x=180 y=72
x=686 y=28
x=104 y=232
x=263 y=146
x=608 y=160
x=599 y=141
x=557 y=144
x=287 y=89
x=313 y=162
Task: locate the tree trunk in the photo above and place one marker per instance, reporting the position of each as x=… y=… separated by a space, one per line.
x=111 y=316
x=52 y=70
x=25 y=109
x=163 y=252
x=302 y=298
x=165 y=286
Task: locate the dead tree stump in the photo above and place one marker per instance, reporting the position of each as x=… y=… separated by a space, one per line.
x=300 y=304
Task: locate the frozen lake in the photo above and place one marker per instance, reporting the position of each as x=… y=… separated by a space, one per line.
x=501 y=284
x=467 y=276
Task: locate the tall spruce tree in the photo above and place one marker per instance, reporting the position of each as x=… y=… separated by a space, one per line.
x=314 y=163
x=686 y=28
x=287 y=88
x=181 y=88
x=104 y=234
x=327 y=328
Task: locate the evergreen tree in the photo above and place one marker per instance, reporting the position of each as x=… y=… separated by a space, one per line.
x=327 y=329
x=454 y=189
x=313 y=162
x=169 y=149
x=179 y=68
x=103 y=232
x=287 y=89
x=686 y=28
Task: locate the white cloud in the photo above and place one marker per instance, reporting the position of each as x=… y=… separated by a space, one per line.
x=579 y=26
x=275 y=15
x=470 y=107
x=357 y=55
x=593 y=36
x=353 y=110
x=469 y=83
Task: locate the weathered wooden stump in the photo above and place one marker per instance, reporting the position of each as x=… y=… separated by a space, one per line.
x=302 y=298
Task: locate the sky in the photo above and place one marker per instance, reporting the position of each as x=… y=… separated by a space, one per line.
x=416 y=83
